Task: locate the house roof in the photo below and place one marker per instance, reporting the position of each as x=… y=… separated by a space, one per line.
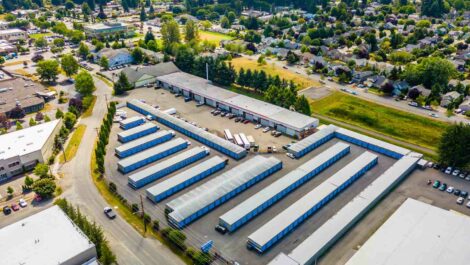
x=136 y=73
x=111 y=53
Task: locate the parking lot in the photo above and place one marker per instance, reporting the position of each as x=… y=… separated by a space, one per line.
x=233 y=246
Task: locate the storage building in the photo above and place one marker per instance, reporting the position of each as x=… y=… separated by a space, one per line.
x=166 y=167
x=186 y=178
x=137 y=132
x=206 y=138
x=260 y=201
x=151 y=155
x=131 y=122
x=199 y=201
x=313 y=141
x=278 y=227
x=143 y=143
x=333 y=229
x=283 y=120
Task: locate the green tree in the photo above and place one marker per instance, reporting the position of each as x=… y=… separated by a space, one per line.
x=107 y=257
x=170 y=34
x=122 y=84
x=48 y=70
x=18 y=126
x=59 y=114
x=224 y=22
x=69 y=120
x=84 y=83
x=10 y=191
x=184 y=58
x=302 y=105
x=46 y=118
x=231 y=16
x=191 y=32
x=69 y=65
x=44 y=187
x=40 y=42
x=143 y=15
x=430 y=71
x=83 y=50
x=149 y=36
x=32 y=122
x=138 y=55
x=104 y=63
x=41 y=170
x=28 y=182
x=454 y=146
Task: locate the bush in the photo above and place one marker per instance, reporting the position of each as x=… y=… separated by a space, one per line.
x=165 y=232
x=177 y=238
x=69 y=120
x=44 y=187
x=112 y=187
x=135 y=207
x=147 y=219
x=156 y=225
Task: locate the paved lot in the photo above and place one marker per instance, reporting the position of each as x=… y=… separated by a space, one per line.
x=233 y=246
x=316 y=92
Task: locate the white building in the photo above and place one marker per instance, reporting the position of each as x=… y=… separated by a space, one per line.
x=12 y=34
x=21 y=150
x=47 y=237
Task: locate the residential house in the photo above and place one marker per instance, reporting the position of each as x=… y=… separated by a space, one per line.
x=115 y=57
x=422 y=90
x=359 y=77
x=376 y=81
x=155 y=57
x=400 y=87
x=465 y=106
x=449 y=97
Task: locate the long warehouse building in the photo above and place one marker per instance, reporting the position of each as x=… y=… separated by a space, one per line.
x=166 y=167
x=260 y=201
x=333 y=229
x=143 y=143
x=186 y=178
x=206 y=138
x=151 y=155
x=313 y=141
x=131 y=122
x=199 y=201
x=283 y=120
x=278 y=227
x=137 y=132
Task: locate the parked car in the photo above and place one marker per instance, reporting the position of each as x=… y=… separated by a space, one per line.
x=450 y=189
x=460 y=200
x=199 y=104
x=456 y=173
x=258 y=126
x=467 y=177
x=220 y=229
x=22 y=203
x=436 y=184
x=457 y=192
x=109 y=212
x=463 y=194
x=436 y=166
x=290 y=155
x=246 y=121
x=462 y=175
x=448 y=170
x=270 y=149
x=187 y=99
x=277 y=134
x=15 y=207
x=266 y=129
x=36 y=58
x=443 y=187
x=238 y=119
x=6 y=210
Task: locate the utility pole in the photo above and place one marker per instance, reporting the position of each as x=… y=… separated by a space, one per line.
x=143 y=213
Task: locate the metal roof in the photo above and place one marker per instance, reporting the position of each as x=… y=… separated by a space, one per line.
x=166 y=163
x=202 y=196
x=312 y=139
x=184 y=176
x=137 y=129
x=261 y=197
x=316 y=243
x=281 y=221
x=150 y=152
x=131 y=120
x=191 y=128
x=142 y=140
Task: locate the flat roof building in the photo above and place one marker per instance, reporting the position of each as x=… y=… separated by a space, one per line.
x=13 y=34
x=21 y=150
x=106 y=29
x=47 y=237
x=286 y=121
x=19 y=92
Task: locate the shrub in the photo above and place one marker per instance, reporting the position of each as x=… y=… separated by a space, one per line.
x=112 y=187
x=156 y=225
x=134 y=207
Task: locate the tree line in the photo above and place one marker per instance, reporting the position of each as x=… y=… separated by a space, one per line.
x=103 y=137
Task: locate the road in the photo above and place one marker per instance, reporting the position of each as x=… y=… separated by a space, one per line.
x=129 y=246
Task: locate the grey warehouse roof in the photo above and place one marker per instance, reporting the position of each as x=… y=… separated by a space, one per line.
x=203 y=195
x=263 y=109
x=308 y=141
x=131 y=120
x=142 y=140
x=137 y=129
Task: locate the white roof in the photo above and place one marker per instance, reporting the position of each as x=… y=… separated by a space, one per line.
x=137 y=129
x=312 y=139
x=143 y=140
x=131 y=120
x=263 y=196
x=8 y=31
x=47 y=237
x=418 y=233
x=281 y=221
x=27 y=140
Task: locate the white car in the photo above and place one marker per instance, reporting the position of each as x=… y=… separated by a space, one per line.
x=290 y=155
x=468 y=205
x=266 y=129
x=274 y=149
x=258 y=126
x=460 y=200
x=448 y=170
x=450 y=189
x=22 y=203
x=456 y=173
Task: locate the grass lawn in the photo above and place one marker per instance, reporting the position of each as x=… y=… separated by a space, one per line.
x=402 y=125
x=89 y=111
x=271 y=69
x=39 y=35
x=213 y=37
x=246 y=92
x=74 y=142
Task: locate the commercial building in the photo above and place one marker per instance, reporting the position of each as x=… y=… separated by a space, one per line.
x=115 y=57
x=418 y=233
x=313 y=141
x=13 y=35
x=137 y=132
x=151 y=155
x=206 y=138
x=20 y=151
x=131 y=122
x=260 y=201
x=333 y=229
x=141 y=76
x=143 y=143
x=283 y=120
x=106 y=29
x=286 y=221
x=18 y=92
x=47 y=237
x=186 y=178
x=199 y=201
x=6 y=47
x=166 y=167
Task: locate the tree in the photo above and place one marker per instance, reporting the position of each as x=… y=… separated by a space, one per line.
x=28 y=182
x=84 y=83
x=138 y=55
x=302 y=105
x=387 y=88
x=149 y=36
x=231 y=16
x=170 y=34
x=191 y=32
x=184 y=59
x=32 y=122
x=59 y=114
x=69 y=120
x=143 y=15
x=18 y=126
x=104 y=62
x=4 y=122
x=69 y=65
x=41 y=170
x=10 y=191
x=48 y=70
x=107 y=256
x=224 y=22
x=83 y=50
x=44 y=187
x=46 y=118
x=414 y=93
x=454 y=146
x=40 y=42
x=430 y=71
x=122 y=84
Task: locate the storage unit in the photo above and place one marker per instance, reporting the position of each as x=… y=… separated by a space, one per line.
x=166 y=167
x=137 y=132
x=143 y=143
x=186 y=178
x=260 y=201
x=313 y=141
x=206 y=138
x=199 y=201
x=131 y=122
x=371 y=143
x=151 y=155
x=278 y=227
x=324 y=237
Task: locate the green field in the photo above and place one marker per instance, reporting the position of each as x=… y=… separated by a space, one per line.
x=401 y=125
x=39 y=35
x=213 y=37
